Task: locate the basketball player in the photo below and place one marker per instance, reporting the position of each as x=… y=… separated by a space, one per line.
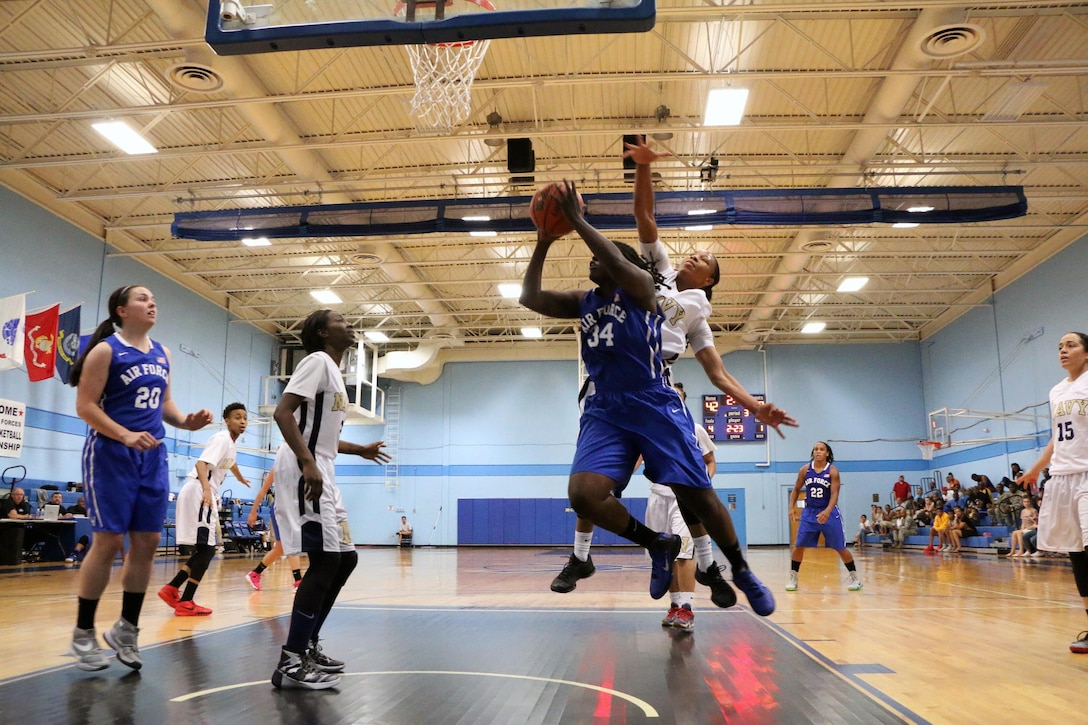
x=276 y=552
x=1063 y=518
x=821 y=514
x=310 y=514
x=122 y=384
x=198 y=511
x=684 y=296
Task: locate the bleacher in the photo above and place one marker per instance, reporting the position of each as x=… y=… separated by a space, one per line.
x=990 y=539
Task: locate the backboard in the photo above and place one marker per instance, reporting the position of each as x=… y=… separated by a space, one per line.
x=236 y=28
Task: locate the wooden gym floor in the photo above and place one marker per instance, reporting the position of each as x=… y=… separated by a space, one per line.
x=473 y=636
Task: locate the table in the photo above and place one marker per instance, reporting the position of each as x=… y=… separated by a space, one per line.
x=60 y=537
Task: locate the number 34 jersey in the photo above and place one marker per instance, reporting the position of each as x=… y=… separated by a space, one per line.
x=1069 y=416
x=817 y=490
x=136 y=386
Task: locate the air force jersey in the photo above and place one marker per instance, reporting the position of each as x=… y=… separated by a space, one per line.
x=817 y=491
x=685 y=311
x=324 y=409
x=1069 y=416
x=135 y=386
x=621 y=343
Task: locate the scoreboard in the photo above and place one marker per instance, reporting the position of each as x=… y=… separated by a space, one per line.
x=727 y=420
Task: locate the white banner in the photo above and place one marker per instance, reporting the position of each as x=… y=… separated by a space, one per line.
x=12 y=422
x=12 y=324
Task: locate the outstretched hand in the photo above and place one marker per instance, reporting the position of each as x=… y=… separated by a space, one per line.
x=641 y=153
x=569 y=203
x=373 y=452
x=774 y=416
x=197 y=420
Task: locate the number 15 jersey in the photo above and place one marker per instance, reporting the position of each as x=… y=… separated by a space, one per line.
x=136 y=386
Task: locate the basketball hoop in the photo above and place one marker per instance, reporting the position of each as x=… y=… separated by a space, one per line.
x=443 y=73
x=928 y=448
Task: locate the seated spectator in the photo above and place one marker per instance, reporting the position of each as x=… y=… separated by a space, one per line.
x=959 y=500
x=940 y=529
x=77 y=509
x=906 y=526
x=923 y=517
x=57 y=499
x=877 y=520
x=80 y=551
x=983 y=482
x=16 y=506
x=864 y=529
x=1029 y=522
x=952 y=482
x=900 y=491
x=979 y=498
x=404 y=536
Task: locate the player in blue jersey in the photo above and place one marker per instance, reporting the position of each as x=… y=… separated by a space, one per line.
x=633 y=410
x=123 y=394
x=821 y=514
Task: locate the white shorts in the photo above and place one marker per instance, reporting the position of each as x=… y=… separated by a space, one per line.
x=294 y=512
x=196 y=523
x=663 y=514
x=1063 y=517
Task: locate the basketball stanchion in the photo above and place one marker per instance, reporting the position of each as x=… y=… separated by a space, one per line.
x=443 y=75
x=928 y=448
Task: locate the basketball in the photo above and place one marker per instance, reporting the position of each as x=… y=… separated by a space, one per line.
x=546 y=213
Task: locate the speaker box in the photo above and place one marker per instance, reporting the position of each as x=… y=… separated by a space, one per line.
x=519 y=156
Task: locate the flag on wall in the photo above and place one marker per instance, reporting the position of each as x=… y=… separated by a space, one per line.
x=12 y=310
x=67 y=342
x=41 y=343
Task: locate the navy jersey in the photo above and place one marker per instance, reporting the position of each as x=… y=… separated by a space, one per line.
x=621 y=343
x=135 y=387
x=818 y=490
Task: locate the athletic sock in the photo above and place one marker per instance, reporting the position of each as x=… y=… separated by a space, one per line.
x=259 y=568
x=297 y=573
x=704 y=552
x=638 y=533
x=582 y=541
x=682 y=598
x=851 y=566
x=180 y=578
x=795 y=565
x=131 y=604
x=190 y=592
x=85 y=614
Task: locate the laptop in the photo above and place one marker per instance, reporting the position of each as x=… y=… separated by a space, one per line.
x=51 y=512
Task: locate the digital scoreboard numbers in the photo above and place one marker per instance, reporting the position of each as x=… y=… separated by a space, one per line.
x=727 y=420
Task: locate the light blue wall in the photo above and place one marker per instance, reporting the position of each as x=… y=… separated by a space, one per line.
x=507 y=430
x=60 y=263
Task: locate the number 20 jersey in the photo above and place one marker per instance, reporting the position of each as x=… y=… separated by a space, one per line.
x=136 y=386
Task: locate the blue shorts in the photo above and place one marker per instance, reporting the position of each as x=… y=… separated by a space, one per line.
x=618 y=427
x=808 y=533
x=127 y=489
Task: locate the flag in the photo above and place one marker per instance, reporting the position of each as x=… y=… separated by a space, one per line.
x=41 y=343
x=67 y=342
x=12 y=310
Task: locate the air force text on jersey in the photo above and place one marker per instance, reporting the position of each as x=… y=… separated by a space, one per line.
x=134 y=372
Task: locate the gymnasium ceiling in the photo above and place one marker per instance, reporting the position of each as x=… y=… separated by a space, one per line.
x=843 y=93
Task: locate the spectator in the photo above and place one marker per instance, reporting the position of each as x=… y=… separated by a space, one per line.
x=983 y=482
x=939 y=529
x=906 y=526
x=79 y=509
x=900 y=491
x=1029 y=522
x=405 y=532
x=79 y=551
x=864 y=529
x=16 y=506
x=979 y=498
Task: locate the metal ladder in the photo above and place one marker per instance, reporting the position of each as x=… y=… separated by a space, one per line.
x=392 y=436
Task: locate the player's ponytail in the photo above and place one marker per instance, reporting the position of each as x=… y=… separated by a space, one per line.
x=118 y=298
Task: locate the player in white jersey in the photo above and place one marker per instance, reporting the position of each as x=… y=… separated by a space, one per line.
x=198 y=512
x=1063 y=516
x=684 y=300
x=663 y=514
x=309 y=510
x=122 y=384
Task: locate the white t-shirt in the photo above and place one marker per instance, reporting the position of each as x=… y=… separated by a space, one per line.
x=1069 y=416
x=220 y=453
x=322 y=415
x=706 y=445
x=686 y=311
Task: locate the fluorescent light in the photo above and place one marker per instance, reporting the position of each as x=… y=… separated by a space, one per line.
x=483 y=234
x=904 y=225
x=853 y=284
x=510 y=290
x=812 y=328
x=700 y=212
x=699 y=228
x=919 y=209
x=124 y=137
x=376 y=336
x=256 y=242
x=475 y=218
x=326 y=296
x=725 y=106
x=533 y=332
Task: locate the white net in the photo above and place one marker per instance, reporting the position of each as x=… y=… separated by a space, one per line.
x=928 y=448
x=444 y=75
